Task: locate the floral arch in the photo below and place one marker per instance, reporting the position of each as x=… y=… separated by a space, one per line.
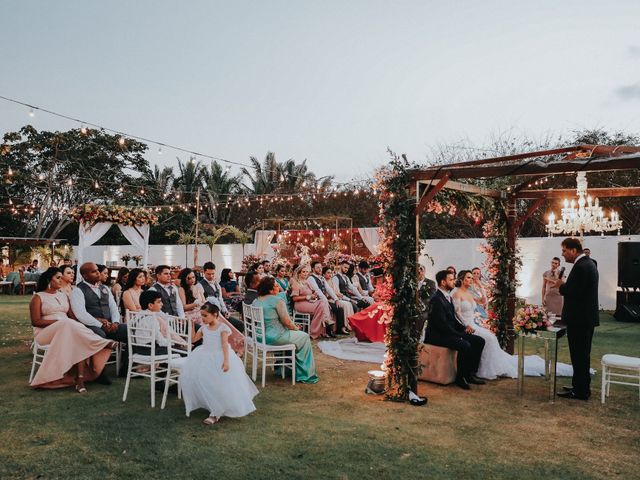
x=96 y=220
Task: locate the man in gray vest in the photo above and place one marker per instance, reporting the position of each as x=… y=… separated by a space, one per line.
x=210 y=288
x=171 y=303
x=93 y=304
x=362 y=281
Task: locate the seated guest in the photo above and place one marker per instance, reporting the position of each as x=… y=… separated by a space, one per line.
x=281 y=278
x=118 y=286
x=192 y=298
x=306 y=301
x=210 y=289
x=362 y=281
x=251 y=280
x=93 y=305
x=105 y=278
x=444 y=330
x=258 y=268
x=266 y=267
x=479 y=292
x=171 y=303
x=75 y=354
x=370 y=324
x=33 y=267
x=68 y=276
x=151 y=303
x=317 y=284
x=342 y=283
x=230 y=289
x=136 y=282
x=280 y=330
x=336 y=297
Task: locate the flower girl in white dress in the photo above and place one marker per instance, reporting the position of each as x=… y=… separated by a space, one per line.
x=214 y=377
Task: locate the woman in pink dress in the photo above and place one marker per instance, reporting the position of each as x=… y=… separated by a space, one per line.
x=306 y=301
x=75 y=354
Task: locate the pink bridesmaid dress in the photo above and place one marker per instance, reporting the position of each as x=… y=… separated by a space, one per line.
x=69 y=342
x=319 y=310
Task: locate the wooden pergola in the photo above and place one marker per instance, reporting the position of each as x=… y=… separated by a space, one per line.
x=526 y=168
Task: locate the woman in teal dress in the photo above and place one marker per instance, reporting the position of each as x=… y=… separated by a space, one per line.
x=281 y=279
x=280 y=330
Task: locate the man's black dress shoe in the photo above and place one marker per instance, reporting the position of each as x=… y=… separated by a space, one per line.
x=103 y=379
x=572 y=395
x=462 y=383
x=330 y=333
x=475 y=380
x=566 y=388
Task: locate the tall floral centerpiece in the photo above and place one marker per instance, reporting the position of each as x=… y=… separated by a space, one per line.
x=131 y=216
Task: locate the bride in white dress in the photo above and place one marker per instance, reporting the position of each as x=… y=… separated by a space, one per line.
x=494 y=362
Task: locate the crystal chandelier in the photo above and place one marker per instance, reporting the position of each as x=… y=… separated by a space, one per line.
x=585 y=216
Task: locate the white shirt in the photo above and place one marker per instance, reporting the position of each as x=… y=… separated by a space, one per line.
x=79 y=308
x=171 y=288
x=313 y=285
x=446 y=294
x=356 y=281
x=214 y=299
x=329 y=287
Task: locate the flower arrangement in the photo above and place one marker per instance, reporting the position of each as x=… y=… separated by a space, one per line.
x=530 y=318
x=125 y=258
x=130 y=216
x=137 y=259
x=250 y=259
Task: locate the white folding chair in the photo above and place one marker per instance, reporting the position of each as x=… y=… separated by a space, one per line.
x=141 y=332
x=39 y=351
x=183 y=328
x=302 y=319
x=249 y=338
x=282 y=356
x=621 y=367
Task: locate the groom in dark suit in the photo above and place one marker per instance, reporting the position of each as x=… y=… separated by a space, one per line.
x=444 y=330
x=579 y=314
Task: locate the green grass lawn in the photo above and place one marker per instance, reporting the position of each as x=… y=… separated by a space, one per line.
x=329 y=430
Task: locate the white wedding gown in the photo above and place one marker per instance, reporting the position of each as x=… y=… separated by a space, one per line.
x=495 y=362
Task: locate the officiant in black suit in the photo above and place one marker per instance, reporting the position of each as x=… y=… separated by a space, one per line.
x=444 y=330
x=579 y=314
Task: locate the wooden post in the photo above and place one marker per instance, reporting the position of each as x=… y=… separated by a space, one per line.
x=195 y=250
x=512 y=231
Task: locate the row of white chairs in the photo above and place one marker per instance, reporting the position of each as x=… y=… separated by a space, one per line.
x=141 y=332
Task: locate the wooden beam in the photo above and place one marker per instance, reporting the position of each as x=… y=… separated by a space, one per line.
x=606 y=192
x=626 y=162
x=532 y=209
x=474 y=189
x=429 y=194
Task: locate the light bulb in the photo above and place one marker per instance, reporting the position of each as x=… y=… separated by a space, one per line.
x=9 y=172
x=31 y=113
x=69 y=182
x=121 y=141
x=96 y=184
x=83 y=130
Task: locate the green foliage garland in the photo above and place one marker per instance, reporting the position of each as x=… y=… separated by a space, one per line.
x=397 y=221
x=499 y=258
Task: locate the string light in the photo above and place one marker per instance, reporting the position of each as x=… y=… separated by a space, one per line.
x=121 y=141
x=31 y=113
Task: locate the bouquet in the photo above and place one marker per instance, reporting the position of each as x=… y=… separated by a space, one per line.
x=530 y=318
x=125 y=258
x=137 y=259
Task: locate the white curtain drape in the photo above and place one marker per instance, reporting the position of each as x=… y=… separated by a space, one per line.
x=262 y=241
x=138 y=236
x=371 y=238
x=89 y=234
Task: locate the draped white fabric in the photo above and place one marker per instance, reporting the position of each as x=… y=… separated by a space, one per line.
x=89 y=234
x=371 y=238
x=263 y=239
x=138 y=236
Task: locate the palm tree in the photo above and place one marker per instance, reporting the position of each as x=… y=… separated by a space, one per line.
x=189 y=179
x=266 y=177
x=216 y=233
x=219 y=184
x=160 y=182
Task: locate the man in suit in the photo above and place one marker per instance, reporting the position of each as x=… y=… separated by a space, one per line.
x=444 y=330
x=580 y=314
